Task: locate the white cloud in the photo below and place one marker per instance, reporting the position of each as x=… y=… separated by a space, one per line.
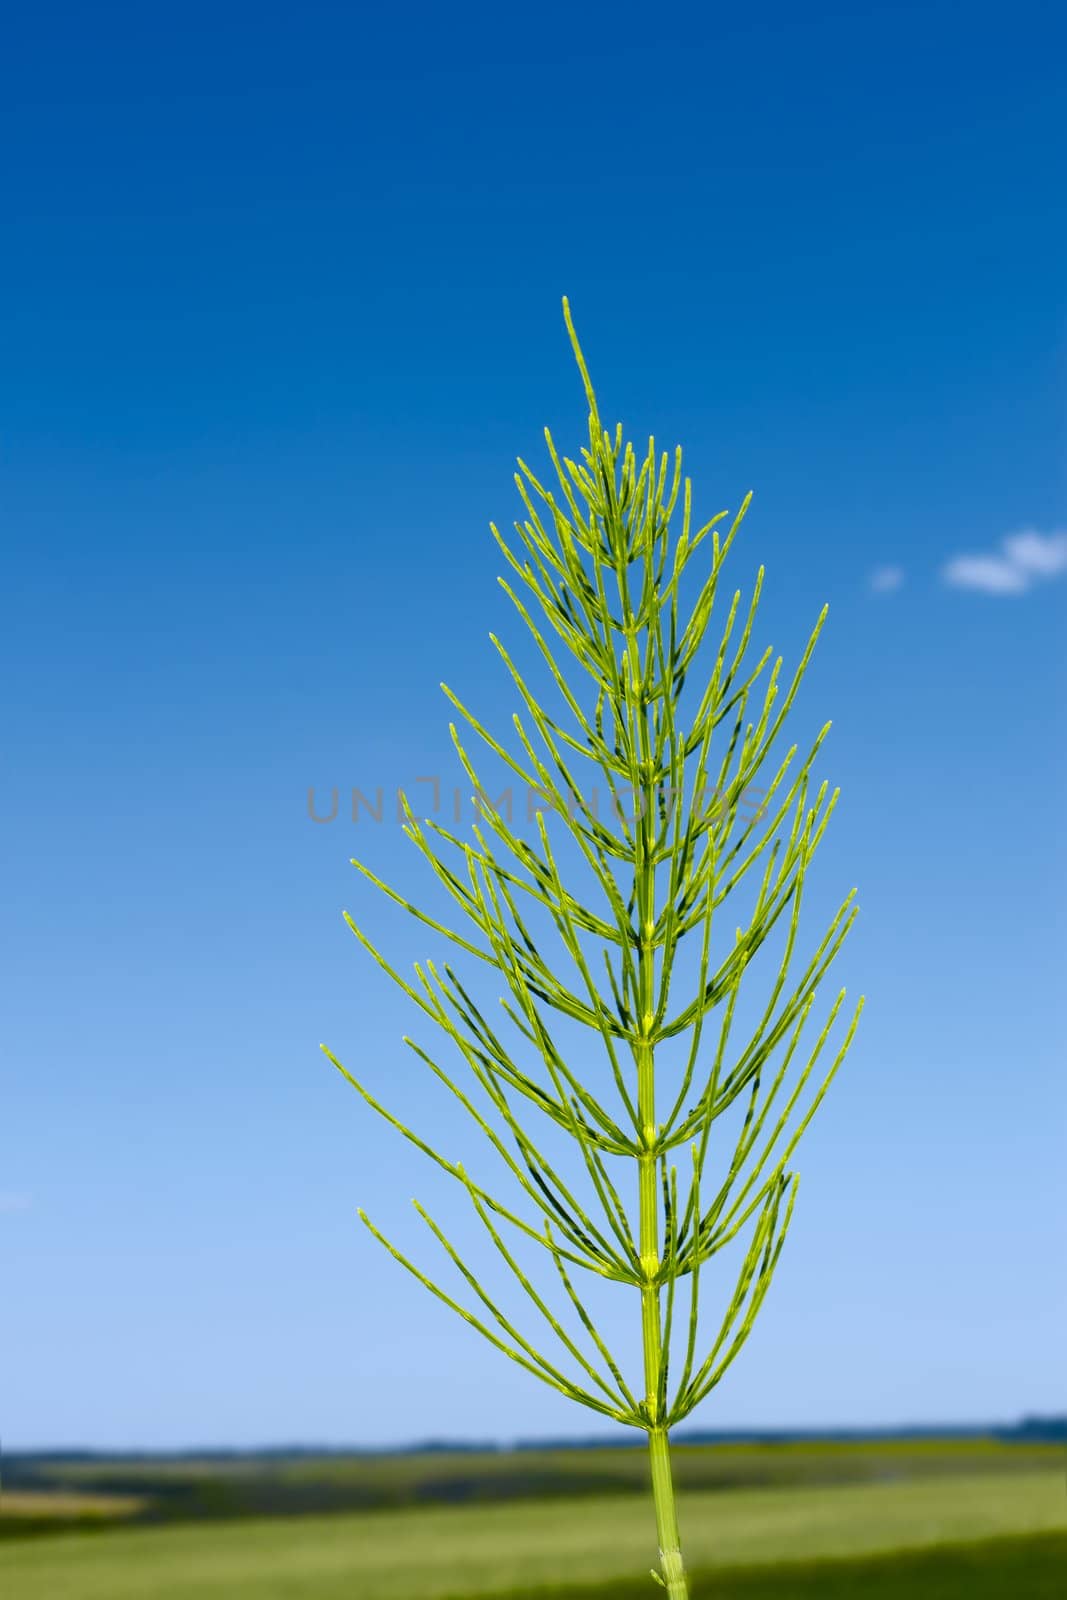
x=1043 y=554
x=13 y=1202
x=1024 y=559
x=886 y=580
x=991 y=574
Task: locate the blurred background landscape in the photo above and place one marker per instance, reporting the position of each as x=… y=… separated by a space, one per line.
x=965 y=1514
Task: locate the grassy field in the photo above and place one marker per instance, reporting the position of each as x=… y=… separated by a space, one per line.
x=179 y=1490
x=571 y=1545
x=28 y=1511
x=1024 y=1569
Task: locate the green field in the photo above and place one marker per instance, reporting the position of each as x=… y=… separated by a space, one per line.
x=188 y=1489
x=581 y=1544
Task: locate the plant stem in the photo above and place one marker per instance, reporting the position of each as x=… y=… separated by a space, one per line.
x=670 y=1554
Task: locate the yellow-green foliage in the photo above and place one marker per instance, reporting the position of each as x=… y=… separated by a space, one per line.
x=594 y=932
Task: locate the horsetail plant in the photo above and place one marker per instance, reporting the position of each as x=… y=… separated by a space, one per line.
x=647 y=892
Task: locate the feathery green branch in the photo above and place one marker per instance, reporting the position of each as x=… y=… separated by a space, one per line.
x=634 y=904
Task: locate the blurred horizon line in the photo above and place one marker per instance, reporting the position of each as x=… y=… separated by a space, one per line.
x=1027 y=1428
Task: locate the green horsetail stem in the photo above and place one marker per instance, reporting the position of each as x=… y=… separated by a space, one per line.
x=599 y=556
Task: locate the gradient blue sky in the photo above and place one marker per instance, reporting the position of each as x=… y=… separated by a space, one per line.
x=280 y=306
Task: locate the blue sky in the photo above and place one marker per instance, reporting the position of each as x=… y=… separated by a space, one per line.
x=281 y=304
